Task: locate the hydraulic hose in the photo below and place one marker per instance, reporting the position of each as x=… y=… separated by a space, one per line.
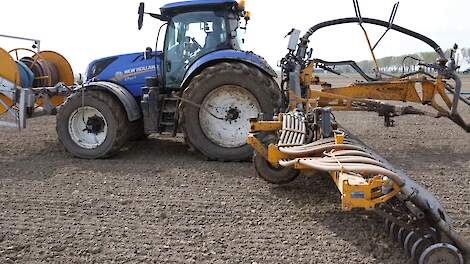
x=305 y=39
x=346 y=167
x=456 y=99
x=350 y=159
x=351 y=63
x=355 y=153
x=317 y=149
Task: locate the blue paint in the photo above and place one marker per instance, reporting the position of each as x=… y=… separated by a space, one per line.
x=128 y=70
x=358 y=195
x=26 y=75
x=174 y=7
x=131 y=70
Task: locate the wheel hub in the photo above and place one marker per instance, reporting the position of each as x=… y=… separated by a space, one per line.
x=95 y=125
x=225 y=113
x=87 y=127
x=441 y=253
x=232 y=114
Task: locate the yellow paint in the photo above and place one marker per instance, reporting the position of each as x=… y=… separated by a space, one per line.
x=7 y=101
x=342 y=98
x=242 y=4
x=8 y=71
x=274 y=155
x=55 y=100
x=265 y=126
x=257 y=146
x=63 y=66
x=392 y=91
x=350 y=184
x=339 y=137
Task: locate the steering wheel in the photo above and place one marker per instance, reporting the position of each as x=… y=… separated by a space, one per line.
x=191 y=46
x=197 y=43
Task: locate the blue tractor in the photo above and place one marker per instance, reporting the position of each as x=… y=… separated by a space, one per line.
x=202 y=84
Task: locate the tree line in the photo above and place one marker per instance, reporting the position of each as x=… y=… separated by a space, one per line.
x=406 y=63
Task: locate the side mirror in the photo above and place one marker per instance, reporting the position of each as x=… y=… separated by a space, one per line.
x=148 y=53
x=141 y=11
x=309 y=53
x=80 y=79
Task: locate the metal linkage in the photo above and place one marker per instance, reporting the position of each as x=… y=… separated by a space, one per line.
x=413 y=216
x=36 y=45
x=421 y=242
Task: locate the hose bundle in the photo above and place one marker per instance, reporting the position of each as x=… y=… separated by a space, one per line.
x=26 y=75
x=45 y=73
x=294 y=130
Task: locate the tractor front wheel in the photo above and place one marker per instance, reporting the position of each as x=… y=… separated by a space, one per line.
x=92 y=125
x=228 y=96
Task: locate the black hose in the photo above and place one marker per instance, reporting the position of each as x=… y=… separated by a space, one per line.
x=305 y=39
x=45 y=72
x=353 y=64
x=457 y=89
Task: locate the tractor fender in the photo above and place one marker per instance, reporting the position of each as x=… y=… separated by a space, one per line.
x=249 y=58
x=125 y=97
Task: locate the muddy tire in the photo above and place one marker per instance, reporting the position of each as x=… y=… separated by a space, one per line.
x=137 y=131
x=229 y=95
x=273 y=175
x=92 y=127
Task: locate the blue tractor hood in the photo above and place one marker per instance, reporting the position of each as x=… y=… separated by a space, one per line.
x=171 y=9
x=127 y=70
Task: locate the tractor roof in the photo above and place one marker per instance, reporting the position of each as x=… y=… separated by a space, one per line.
x=172 y=9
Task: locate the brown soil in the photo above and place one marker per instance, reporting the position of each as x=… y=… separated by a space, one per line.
x=157 y=202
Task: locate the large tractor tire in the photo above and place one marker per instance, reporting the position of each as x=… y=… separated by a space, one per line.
x=228 y=95
x=137 y=131
x=92 y=125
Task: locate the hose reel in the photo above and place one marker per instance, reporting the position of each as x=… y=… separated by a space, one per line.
x=36 y=76
x=47 y=68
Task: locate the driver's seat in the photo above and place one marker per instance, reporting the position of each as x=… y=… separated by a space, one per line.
x=214 y=38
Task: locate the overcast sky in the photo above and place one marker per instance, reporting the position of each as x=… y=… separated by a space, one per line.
x=86 y=30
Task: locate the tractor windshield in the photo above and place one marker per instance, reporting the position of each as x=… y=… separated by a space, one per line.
x=189 y=37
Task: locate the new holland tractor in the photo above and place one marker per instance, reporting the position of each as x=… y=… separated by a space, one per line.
x=202 y=84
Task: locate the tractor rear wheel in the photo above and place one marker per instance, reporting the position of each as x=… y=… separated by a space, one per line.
x=92 y=125
x=229 y=94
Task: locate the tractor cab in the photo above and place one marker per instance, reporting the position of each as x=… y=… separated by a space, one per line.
x=195 y=29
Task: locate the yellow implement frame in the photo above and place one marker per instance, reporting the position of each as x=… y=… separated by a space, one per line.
x=357 y=190
x=415 y=90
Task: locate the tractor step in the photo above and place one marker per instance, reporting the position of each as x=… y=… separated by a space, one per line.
x=169 y=116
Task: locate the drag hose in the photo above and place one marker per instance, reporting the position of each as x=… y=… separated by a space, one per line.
x=305 y=39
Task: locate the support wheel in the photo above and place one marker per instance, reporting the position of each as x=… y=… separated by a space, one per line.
x=271 y=174
x=92 y=125
x=441 y=253
x=229 y=94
